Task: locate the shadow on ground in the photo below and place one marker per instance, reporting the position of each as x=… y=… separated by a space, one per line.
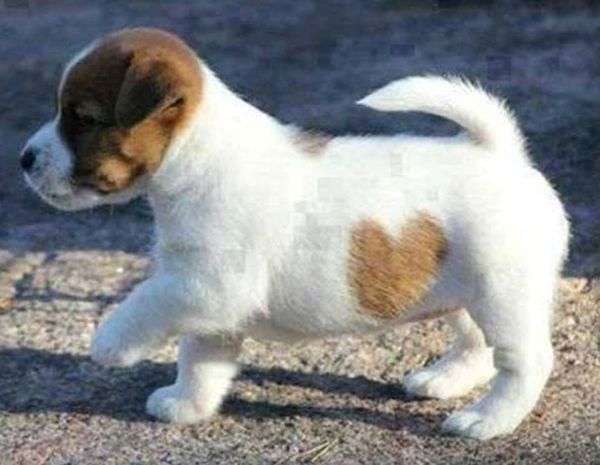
x=40 y=381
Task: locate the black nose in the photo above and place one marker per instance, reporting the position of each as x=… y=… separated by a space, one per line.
x=28 y=158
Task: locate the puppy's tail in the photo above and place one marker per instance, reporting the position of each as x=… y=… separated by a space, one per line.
x=487 y=120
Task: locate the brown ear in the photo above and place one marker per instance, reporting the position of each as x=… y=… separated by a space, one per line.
x=149 y=86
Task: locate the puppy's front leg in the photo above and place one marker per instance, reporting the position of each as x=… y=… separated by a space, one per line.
x=205 y=369
x=143 y=323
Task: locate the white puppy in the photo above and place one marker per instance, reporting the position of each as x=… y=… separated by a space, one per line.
x=269 y=232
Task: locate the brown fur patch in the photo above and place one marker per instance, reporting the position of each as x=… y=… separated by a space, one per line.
x=390 y=274
x=311 y=142
x=122 y=103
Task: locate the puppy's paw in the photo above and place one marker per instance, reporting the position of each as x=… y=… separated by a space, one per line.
x=112 y=347
x=171 y=405
x=478 y=425
x=451 y=376
x=432 y=384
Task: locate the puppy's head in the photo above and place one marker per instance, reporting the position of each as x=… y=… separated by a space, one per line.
x=121 y=102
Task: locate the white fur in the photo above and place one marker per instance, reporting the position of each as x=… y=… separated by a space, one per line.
x=205 y=370
x=253 y=238
x=468 y=364
x=488 y=120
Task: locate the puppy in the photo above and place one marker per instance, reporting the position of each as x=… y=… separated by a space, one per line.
x=269 y=232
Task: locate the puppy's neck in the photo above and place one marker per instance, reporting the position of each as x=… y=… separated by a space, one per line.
x=225 y=130
x=212 y=162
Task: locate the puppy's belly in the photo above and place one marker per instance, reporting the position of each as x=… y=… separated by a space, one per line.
x=296 y=324
x=298 y=317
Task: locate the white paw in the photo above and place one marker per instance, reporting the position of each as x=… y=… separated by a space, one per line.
x=111 y=347
x=428 y=383
x=451 y=376
x=478 y=425
x=170 y=405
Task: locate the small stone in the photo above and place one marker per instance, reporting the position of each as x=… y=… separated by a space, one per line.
x=5 y=304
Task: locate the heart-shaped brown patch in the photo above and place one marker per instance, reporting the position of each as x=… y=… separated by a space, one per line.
x=391 y=274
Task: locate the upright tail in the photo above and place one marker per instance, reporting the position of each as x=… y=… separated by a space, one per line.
x=487 y=120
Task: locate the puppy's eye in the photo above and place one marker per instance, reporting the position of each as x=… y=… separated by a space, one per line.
x=86 y=120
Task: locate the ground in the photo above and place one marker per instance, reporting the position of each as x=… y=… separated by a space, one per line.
x=335 y=402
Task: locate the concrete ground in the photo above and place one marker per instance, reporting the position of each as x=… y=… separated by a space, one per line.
x=339 y=401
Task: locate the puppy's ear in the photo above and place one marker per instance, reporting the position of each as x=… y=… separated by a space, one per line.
x=150 y=86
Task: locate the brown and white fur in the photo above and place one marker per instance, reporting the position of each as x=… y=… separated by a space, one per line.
x=268 y=232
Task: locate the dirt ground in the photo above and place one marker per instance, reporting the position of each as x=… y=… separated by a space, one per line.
x=339 y=401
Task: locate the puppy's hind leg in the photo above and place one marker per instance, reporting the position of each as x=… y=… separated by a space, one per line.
x=515 y=320
x=205 y=369
x=466 y=365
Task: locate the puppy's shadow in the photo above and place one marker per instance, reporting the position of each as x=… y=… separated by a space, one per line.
x=38 y=381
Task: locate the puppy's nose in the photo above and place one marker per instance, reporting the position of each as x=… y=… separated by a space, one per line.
x=28 y=158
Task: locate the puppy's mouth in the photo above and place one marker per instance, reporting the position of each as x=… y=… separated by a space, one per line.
x=69 y=195
x=63 y=195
